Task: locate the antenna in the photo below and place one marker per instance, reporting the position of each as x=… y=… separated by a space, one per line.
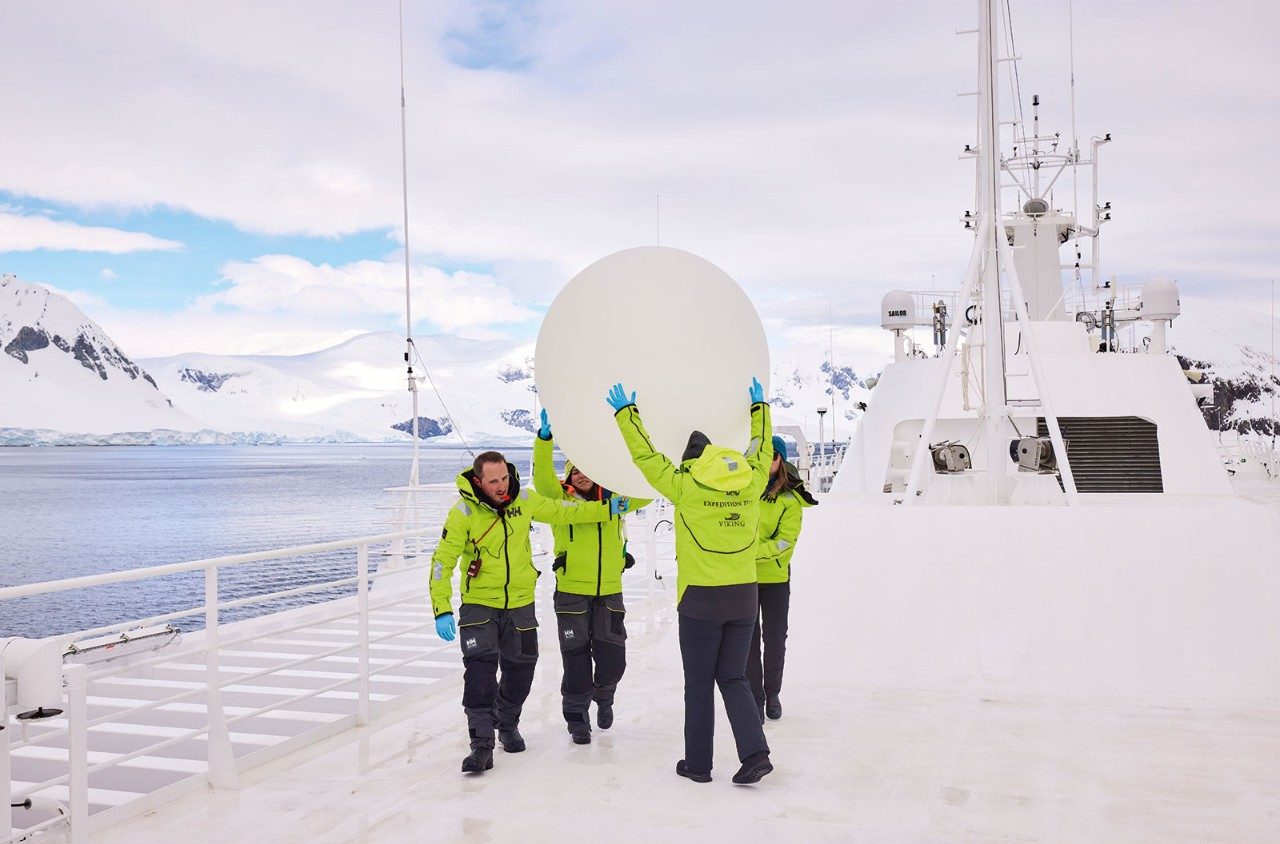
x=831 y=355
x=408 y=305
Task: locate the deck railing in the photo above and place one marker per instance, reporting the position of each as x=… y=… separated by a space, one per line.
x=223 y=768
x=403 y=552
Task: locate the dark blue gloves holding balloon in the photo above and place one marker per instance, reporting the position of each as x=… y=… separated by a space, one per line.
x=544 y=431
x=617 y=398
x=446 y=628
x=757 y=391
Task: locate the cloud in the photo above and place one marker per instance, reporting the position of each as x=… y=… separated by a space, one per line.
x=460 y=302
x=283 y=304
x=82 y=299
x=811 y=153
x=24 y=233
x=108 y=274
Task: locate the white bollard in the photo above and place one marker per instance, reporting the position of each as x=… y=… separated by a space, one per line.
x=77 y=680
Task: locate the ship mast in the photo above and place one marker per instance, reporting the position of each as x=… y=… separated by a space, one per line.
x=992 y=325
x=991 y=267
x=408 y=303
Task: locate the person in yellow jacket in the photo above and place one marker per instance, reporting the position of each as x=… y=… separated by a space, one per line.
x=716 y=492
x=781 y=509
x=590 y=613
x=489 y=529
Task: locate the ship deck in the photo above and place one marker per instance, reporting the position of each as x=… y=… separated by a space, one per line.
x=853 y=762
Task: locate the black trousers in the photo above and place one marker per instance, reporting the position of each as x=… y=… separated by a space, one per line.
x=715 y=654
x=766 y=678
x=492 y=639
x=593 y=646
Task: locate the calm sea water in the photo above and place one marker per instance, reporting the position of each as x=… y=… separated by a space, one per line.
x=66 y=512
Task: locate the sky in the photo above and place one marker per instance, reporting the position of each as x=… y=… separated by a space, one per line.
x=226 y=177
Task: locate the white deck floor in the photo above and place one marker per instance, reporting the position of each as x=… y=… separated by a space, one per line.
x=853 y=763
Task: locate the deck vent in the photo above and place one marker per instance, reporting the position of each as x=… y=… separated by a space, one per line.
x=1111 y=453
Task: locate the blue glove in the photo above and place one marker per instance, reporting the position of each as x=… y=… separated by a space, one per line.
x=445 y=627
x=544 y=432
x=617 y=398
x=618 y=506
x=757 y=391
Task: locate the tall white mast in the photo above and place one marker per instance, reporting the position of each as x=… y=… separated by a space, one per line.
x=991 y=253
x=408 y=304
x=993 y=406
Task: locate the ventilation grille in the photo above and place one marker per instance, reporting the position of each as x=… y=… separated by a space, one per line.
x=1111 y=453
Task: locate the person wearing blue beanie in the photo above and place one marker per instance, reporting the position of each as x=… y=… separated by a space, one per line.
x=777 y=533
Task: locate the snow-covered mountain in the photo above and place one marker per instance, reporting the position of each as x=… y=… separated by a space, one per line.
x=1232 y=346
x=63 y=381
x=357 y=390
x=60 y=371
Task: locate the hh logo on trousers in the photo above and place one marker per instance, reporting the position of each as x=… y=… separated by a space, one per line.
x=470 y=642
x=568 y=634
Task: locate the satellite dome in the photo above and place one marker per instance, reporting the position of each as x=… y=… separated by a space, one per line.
x=897 y=311
x=1160 y=299
x=1035 y=207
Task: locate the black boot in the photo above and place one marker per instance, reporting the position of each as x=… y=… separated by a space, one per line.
x=773 y=708
x=604 y=715
x=581 y=736
x=511 y=740
x=754 y=768
x=480 y=760
x=697 y=776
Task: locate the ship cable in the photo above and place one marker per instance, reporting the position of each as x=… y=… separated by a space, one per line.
x=427 y=372
x=1015 y=81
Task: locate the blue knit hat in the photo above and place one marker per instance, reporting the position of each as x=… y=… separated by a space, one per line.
x=780 y=446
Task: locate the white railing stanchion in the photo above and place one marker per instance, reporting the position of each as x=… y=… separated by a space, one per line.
x=77 y=681
x=362 y=602
x=651 y=550
x=6 y=769
x=222 y=760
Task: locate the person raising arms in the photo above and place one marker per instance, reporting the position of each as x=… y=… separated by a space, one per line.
x=716 y=492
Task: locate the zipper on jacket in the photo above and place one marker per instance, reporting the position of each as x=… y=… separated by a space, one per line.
x=599 y=556
x=506 y=553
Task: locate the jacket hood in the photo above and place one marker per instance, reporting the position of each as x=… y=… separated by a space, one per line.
x=596 y=493
x=720 y=468
x=698 y=441
x=467 y=488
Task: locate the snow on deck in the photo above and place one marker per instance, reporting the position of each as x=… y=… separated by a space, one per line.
x=853 y=762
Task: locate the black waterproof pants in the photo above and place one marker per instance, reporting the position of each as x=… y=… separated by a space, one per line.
x=593 y=645
x=493 y=639
x=715 y=654
x=766 y=679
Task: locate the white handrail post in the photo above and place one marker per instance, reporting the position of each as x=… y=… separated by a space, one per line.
x=222 y=760
x=77 y=682
x=6 y=769
x=651 y=549
x=362 y=601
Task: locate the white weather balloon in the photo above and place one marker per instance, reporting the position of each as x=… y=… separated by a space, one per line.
x=665 y=323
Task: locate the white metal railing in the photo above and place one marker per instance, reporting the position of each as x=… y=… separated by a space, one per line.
x=824 y=462
x=651 y=541
x=1251 y=457
x=222 y=766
